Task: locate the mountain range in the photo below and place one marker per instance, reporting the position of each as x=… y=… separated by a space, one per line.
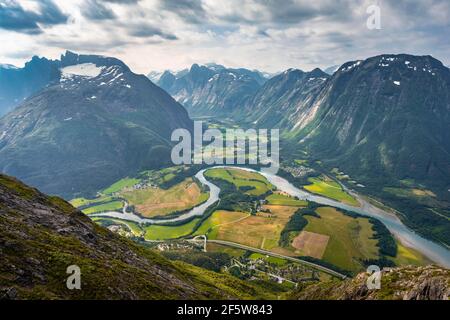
x=16 y=84
x=210 y=89
x=95 y=122
x=384 y=121
x=88 y=120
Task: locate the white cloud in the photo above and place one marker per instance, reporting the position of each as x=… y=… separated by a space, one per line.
x=269 y=35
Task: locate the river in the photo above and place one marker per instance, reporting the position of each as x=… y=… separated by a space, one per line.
x=407 y=237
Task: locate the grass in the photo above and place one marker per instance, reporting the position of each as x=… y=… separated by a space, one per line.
x=242 y=178
x=152 y=202
x=350 y=239
x=273 y=260
x=311 y=244
x=409 y=256
x=284 y=200
x=330 y=189
x=156 y=232
x=120 y=185
x=110 y=206
x=133 y=226
x=80 y=202
x=215 y=247
x=218 y=218
x=255 y=231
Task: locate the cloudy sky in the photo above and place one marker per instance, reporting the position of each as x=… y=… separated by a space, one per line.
x=270 y=35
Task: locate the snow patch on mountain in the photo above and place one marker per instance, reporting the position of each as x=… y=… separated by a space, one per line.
x=88 y=70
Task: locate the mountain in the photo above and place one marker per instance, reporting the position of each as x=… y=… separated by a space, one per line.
x=386 y=115
x=404 y=283
x=332 y=69
x=42 y=236
x=385 y=121
x=16 y=84
x=154 y=76
x=211 y=89
x=99 y=122
x=280 y=101
x=7 y=66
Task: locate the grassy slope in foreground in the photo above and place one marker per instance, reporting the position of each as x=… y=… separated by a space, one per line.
x=41 y=236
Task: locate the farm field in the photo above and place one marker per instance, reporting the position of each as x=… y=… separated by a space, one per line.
x=311 y=244
x=150 y=202
x=349 y=239
x=219 y=218
x=273 y=260
x=156 y=232
x=409 y=256
x=121 y=184
x=242 y=178
x=132 y=226
x=81 y=202
x=284 y=200
x=255 y=231
x=116 y=205
x=330 y=189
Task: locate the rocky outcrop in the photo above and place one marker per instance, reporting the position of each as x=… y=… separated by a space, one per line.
x=403 y=283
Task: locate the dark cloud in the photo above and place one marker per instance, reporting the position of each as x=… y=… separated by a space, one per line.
x=148 y=31
x=94 y=10
x=14 y=17
x=189 y=10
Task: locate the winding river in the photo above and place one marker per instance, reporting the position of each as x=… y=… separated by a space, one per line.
x=407 y=237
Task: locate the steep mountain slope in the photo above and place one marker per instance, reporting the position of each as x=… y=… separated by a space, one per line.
x=41 y=236
x=16 y=84
x=405 y=283
x=98 y=123
x=211 y=89
x=385 y=121
x=281 y=101
x=387 y=115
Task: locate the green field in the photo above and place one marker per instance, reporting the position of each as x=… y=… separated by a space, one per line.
x=273 y=260
x=350 y=239
x=219 y=218
x=284 y=200
x=330 y=189
x=242 y=178
x=409 y=256
x=110 y=206
x=79 y=202
x=150 y=202
x=156 y=232
x=120 y=185
x=258 y=231
x=132 y=226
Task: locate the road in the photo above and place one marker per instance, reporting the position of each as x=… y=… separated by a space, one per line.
x=277 y=255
